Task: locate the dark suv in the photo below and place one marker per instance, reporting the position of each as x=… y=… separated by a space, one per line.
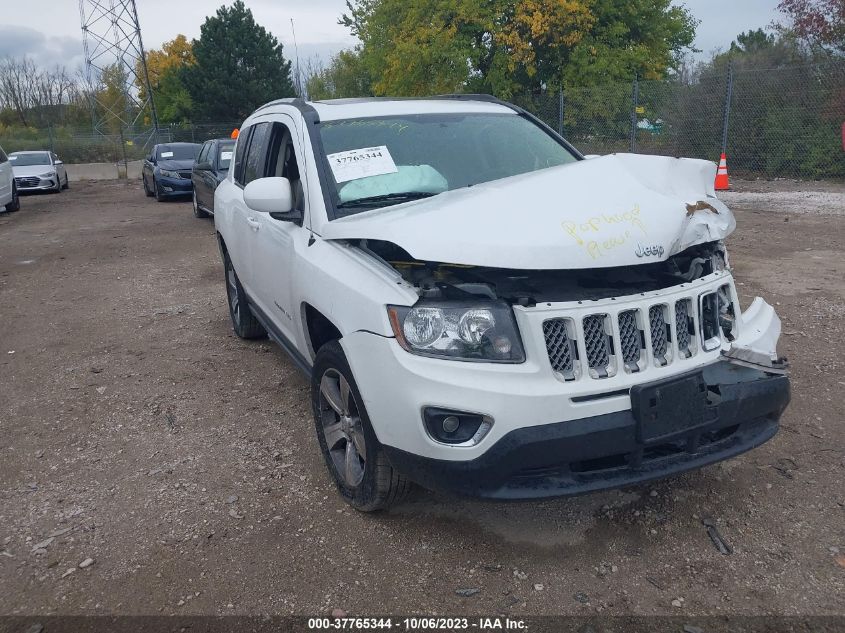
x=210 y=168
x=167 y=170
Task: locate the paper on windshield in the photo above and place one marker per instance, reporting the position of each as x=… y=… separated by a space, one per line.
x=225 y=155
x=361 y=163
x=167 y=154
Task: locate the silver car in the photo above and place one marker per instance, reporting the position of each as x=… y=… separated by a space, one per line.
x=38 y=171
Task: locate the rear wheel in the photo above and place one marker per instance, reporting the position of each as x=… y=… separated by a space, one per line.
x=243 y=320
x=197 y=211
x=15 y=204
x=356 y=461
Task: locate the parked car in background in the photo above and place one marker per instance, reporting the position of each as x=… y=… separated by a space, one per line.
x=210 y=168
x=8 y=191
x=38 y=171
x=166 y=172
x=467 y=327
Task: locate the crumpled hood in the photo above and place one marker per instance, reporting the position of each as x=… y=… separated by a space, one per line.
x=616 y=210
x=32 y=170
x=175 y=165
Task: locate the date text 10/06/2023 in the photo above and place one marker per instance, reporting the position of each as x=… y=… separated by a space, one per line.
x=481 y=624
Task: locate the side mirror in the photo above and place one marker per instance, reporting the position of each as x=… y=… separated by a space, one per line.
x=269 y=195
x=204 y=166
x=58 y=162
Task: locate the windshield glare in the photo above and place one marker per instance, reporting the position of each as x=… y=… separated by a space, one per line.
x=428 y=154
x=25 y=160
x=178 y=152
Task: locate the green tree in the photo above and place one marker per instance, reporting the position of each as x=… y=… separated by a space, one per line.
x=172 y=100
x=415 y=47
x=346 y=76
x=239 y=66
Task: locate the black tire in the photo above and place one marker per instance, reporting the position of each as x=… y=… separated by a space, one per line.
x=58 y=187
x=67 y=182
x=199 y=213
x=158 y=194
x=147 y=191
x=15 y=204
x=372 y=483
x=244 y=322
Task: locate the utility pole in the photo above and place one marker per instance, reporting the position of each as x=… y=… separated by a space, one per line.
x=111 y=39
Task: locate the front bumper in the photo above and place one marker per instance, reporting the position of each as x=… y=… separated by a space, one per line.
x=35 y=183
x=604 y=451
x=175 y=186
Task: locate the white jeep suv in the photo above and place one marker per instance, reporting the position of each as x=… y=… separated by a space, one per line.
x=8 y=189
x=482 y=310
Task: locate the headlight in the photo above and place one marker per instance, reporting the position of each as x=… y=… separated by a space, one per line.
x=169 y=174
x=478 y=332
x=49 y=174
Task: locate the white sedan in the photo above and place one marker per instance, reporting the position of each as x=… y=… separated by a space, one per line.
x=38 y=171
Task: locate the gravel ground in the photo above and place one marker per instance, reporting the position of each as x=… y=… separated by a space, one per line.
x=152 y=463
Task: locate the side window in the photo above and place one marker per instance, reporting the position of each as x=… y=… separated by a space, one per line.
x=240 y=154
x=281 y=161
x=203 y=152
x=211 y=157
x=255 y=157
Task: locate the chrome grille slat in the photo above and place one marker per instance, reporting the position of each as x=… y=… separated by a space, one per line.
x=597 y=343
x=682 y=329
x=629 y=335
x=559 y=346
x=659 y=338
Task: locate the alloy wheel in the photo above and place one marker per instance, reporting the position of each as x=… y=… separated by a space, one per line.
x=342 y=428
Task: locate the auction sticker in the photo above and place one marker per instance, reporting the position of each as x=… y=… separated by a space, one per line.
x=361 y=163
x=225 y=155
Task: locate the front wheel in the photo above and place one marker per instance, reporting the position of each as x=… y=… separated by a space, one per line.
x=356 y=461
x=67 y=182
x=159 y=195
x=147 y=191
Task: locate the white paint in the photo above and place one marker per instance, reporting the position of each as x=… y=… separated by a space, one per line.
x=563 y=217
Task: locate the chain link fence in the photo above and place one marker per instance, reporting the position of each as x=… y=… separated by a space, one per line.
x=785 y=122
x=82 y=145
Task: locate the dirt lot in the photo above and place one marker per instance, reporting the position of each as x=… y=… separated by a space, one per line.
x=137 y=431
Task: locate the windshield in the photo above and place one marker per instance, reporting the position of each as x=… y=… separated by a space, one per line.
x=24 y=160
x=378 y=162
x=178 y=152
x=225 y=155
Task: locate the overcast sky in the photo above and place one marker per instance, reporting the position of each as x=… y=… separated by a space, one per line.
x=49 y=31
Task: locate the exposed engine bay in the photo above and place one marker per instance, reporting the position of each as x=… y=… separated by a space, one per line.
x=435 y=280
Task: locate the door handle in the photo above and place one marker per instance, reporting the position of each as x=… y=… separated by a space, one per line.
x=253 y=224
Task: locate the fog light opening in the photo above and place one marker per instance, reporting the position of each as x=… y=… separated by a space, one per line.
x=455 y=427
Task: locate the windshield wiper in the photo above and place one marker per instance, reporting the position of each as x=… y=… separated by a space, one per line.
x=402 y=196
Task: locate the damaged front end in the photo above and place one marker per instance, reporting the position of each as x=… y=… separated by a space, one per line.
x=710 y=320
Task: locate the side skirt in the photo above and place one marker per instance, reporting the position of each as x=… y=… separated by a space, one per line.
x=281 y=340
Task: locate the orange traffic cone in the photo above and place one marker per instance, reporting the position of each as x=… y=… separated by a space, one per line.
x=722 y=183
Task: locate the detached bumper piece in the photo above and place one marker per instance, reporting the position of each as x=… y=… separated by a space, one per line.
x=675 y=426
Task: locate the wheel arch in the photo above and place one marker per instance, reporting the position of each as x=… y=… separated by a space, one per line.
x=318 y=328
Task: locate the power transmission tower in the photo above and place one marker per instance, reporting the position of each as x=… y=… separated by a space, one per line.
x=114 y=51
